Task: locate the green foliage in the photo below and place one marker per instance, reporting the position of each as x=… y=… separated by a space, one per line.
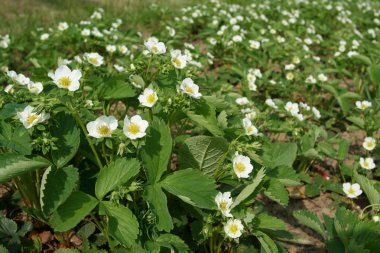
x=115 y=174
x=203 y=152
x=72 y=211
x=277 y=192
x=279 y=154
x=159 y=205
x=16 y=139
x=13 y=165
x=156 y=153
x=68 y=135
x=250 y=188
x=192 y=187
x=122 y=224
x=56 y=186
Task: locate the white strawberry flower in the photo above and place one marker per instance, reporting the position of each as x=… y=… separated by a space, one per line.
x=188 y=87
x=249 y=128
x=111 y=48
x=271 y=103
x=94 y=59
x=322 y=77
x=316 y=112
x=252 y=87
x=292 y=108
x=22 y=80
x=362 y=105
x=242 y=165
x=254 y=44
x=9 y=89
x=290 y=76
x=66 y=78
x=178 y=59
x=102 y=127
x=63 y=26
x=233 y=228
x=251 y=77
x=35 y=88
x=242 y=101
x=148 y=98
x=369 y=143
x=367 y=163
x=29 y=118
x=44 y=36
x=154 y=46
x=352 y=190
x=135 y=127
x=224 y=202
x=86 y=32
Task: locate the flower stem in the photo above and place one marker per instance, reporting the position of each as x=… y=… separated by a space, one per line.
x=81 y=124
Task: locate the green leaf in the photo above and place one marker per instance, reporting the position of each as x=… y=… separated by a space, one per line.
x=368 y=187
x=192 y=187
x=72 y=211
x=115 y=174
x=203 y=152
x=68 y=135
x=156 y=152
x=374 y=73
x=66 y=251
x=312 y=190
x=172 y=242
x=205 y=116
x=285 y=175
x=122 y=224
x=56 y=186
x=310 y=220
x=267 y=221
x=159 y=205
x=117 y=89
x=249 y=189
x=7 y=227
x=277 y=192
x=279 y=154
x=13 y=165
x=267 y=244
x=15 y=138
x=357 y=121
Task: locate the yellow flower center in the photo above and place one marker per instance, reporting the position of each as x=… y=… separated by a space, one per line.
x=177 y=62
x=64 y=81
x=233 y=229
x=189 y=89
x=351 y=191
x=365 y=163
x=249 y=129
x=151 y=98
x=133 y=128
x=155 y=49
x=93 y=60
x=363 y=106
x=240 y=167
x=223 y=205
x=370 y=144
x=104 y=130
x=30 y=119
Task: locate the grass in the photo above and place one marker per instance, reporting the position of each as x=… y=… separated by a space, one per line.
x=19 y=16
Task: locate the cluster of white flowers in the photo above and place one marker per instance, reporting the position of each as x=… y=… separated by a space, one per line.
x=154 y=46
x=134 y=127
x=20 y=79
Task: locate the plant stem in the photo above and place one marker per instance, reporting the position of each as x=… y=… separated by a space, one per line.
x=80 y=122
